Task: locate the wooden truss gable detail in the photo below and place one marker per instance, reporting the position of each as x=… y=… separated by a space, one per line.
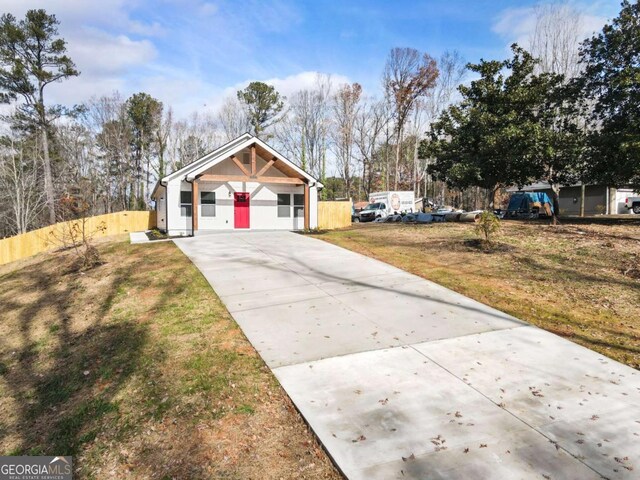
x=244 y=178
x=253 y=175
x=240 y=166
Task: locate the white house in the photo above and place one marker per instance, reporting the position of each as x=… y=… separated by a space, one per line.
x=244 y=184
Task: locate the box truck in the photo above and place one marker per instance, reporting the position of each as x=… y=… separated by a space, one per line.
x=383 y=204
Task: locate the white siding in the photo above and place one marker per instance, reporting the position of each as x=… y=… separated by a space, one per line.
x=178 y=225
x=263 y=208
x=223 y=219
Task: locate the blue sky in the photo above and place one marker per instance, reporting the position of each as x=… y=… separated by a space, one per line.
x=191 y=53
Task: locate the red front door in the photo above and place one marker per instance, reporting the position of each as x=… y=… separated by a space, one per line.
x=241 y=210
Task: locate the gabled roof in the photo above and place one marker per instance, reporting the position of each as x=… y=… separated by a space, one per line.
x=191 y=171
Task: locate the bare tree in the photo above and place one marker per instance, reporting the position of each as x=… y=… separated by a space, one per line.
x=80 y=168
x=302 y=133
x=233 y=119
x=370 y=124
x=192 y=138
x=451 y=72
x=106 y=117
x=556 y=38
x=20 y=170
x=345 y=110
x=408 y=76
x=162 y=140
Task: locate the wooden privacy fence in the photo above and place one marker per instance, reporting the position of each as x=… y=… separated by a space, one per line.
x=43 y=239
x=334 y=215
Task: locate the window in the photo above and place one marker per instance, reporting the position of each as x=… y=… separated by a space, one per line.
x=208 y=204
x=298 y=205
x=246 y=158
x=185 y=204
x=284 y=205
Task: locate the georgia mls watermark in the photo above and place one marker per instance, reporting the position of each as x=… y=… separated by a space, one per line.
x=36 y=468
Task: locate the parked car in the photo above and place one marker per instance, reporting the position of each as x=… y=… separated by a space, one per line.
x=373 y=211
x=633 y=204
x=355 y=216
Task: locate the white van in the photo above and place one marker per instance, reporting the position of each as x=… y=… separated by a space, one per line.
x=383 y=204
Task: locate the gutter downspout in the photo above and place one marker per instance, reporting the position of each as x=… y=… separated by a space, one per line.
x=166 y=206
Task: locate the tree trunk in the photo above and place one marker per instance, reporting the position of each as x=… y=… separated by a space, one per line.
x=363 y=184
x=555 y=198
x=48 y=177
x=416 y=182
x=398 y=149
x=491 y=197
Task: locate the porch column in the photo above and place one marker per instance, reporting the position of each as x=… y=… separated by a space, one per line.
x=306 y=206
x=194 y=205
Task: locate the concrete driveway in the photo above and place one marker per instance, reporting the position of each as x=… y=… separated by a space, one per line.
x=402 y=378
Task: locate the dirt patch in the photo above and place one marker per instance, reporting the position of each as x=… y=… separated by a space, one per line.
x=580 y=280
x=479 y=245
x=136 y=368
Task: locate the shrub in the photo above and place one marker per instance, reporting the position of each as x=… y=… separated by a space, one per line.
x=75 y=233
x=487 y=225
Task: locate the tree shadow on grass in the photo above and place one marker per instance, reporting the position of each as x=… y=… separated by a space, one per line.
x=84 y=369
x=574 y=274
x=62 y=377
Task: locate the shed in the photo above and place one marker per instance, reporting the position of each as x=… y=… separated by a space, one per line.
x=244 y=184
x=599 y=199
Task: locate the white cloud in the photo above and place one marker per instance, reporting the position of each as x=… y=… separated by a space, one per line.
x=106 y=63
x=515 y=24
x=302 y=81
x=73 y=14
x=290 y=84
x=518 y=24
x=99 y=53
x=181 y=91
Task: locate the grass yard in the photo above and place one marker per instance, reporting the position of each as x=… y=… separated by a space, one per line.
x=137 y=369
x=579 y=281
